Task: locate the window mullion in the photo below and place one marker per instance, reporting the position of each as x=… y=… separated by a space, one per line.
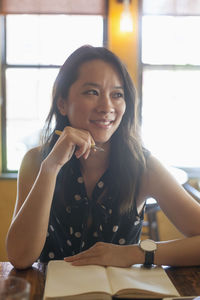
x=3 y=92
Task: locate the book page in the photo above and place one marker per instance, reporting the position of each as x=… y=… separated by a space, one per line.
x=64 y=279
x=184 y=298
x=149 y=281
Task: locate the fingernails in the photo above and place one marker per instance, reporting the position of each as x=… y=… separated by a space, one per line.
x=77 y=155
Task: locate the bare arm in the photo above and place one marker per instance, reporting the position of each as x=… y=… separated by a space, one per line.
x=183 y=252
x=28 y=230
x=36 y=184
x=176 y=203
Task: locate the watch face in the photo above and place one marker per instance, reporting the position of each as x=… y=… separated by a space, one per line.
x=148 y=245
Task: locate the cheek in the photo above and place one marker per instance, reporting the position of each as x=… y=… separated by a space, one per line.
x=77 y=113
x=122 y=109
x=73 y=108
x=71 y=114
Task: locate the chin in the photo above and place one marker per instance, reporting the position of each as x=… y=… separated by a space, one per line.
x=101 y=141
x=102 y=137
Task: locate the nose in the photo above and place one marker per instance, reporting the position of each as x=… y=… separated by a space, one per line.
x=105 y=105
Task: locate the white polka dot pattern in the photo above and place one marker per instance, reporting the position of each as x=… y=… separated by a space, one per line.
x=115 y=228
x=77 y=197
x=51 y=255
x=70 y=220
x=100 y=184
x=95 y=234
x=122 y=241
x=80 y=179
x=51 y=227
x=68 y=209
x=69 y=243
x=77 y=234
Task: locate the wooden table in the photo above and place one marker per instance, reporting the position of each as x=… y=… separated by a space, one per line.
x=185 y=279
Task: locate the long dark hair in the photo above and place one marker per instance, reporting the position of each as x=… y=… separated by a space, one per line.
x=127 y=160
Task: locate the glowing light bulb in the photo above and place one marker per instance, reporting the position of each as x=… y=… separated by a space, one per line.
x=126 y=21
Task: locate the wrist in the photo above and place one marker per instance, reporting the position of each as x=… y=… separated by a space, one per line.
x=49 y=168
x=149 y=248
x=136 y=256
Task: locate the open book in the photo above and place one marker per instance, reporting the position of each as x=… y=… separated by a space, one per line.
x=67 y=282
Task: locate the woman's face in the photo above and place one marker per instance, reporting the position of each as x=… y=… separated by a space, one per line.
x=96 y=100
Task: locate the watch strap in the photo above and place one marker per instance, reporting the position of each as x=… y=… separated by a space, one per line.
x=149 y=259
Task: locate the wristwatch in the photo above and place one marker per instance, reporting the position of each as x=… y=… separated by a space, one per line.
x=149 y=247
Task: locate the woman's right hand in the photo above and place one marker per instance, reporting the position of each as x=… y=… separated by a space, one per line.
x=71 y=140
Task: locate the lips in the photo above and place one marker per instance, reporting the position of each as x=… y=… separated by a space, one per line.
x=106 y=122
x=102 y=123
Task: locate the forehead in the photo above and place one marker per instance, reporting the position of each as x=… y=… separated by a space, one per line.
x=99 y=69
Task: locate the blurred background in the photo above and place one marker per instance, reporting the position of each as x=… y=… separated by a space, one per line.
x=159 y=42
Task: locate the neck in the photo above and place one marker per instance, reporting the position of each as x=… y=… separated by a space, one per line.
x=97 y=160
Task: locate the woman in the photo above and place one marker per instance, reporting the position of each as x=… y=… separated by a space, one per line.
x=87 y=206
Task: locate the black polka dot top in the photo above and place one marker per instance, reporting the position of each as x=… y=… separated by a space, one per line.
x=76 y=222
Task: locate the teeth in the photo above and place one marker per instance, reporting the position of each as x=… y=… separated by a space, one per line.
x=103 y=122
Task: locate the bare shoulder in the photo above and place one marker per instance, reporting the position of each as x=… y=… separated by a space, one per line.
x=156 y=177
x=31 y=162
x=153 y=165
x=152 y=169
x=27 y=175
x=29 y=169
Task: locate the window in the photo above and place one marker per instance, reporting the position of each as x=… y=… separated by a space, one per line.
x=170 y=87
x=35 y=47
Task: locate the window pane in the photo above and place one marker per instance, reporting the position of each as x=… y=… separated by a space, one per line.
x=170 y=40
x=28 y=102
x=49 y=39
x=38 y=40
x=171 y=120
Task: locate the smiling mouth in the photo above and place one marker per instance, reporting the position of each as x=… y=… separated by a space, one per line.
x=103 y=122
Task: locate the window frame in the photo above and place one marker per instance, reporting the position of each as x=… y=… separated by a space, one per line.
x=5 y=172
x=193 y=172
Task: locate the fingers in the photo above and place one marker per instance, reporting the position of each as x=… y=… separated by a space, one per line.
x=96 y=255
x=105 y=254
x=79 y=138
x=71 y=141
x=87 y=261
x=82 y=259
x=88 y=257
x=83 y=255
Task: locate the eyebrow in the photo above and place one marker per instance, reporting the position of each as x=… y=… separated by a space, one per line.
x=98 y=85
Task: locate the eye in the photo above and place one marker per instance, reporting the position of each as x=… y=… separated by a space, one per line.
x=118 y=95
x=91 y=92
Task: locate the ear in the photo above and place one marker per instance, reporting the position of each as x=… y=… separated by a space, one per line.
x=62 y=106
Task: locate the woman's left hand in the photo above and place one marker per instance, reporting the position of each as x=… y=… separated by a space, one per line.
x=107 y=254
